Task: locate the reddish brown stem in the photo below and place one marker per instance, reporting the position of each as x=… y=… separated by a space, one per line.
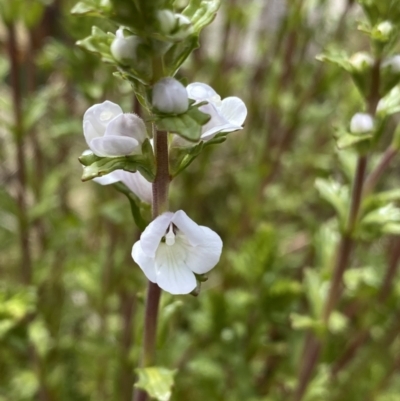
x=160 y=205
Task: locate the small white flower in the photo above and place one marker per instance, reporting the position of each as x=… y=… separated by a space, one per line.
x=361 y=123
x=109 y=132
x=172 y=248
x=170 y=96
x=393 y=63
x=134 y=181
x=227 y=115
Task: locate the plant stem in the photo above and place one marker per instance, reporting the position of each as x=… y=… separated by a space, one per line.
x=312 y=346
x=26 y=262
x=160 y=205
x=376 y=174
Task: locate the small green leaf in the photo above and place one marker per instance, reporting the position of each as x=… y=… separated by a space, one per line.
x=178 y=53
x=201 y=13
x=182 y=157
x=99 y=42
x=95 y=166
x=187 y=125
x=334 y=193
x=347 y=140
x=156 y=381
x=304 y=322
x=135 y=209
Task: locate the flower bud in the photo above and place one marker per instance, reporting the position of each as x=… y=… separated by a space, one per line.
x=361 y=123
x=167 y=21
x=170 y=96
x=361 y=61
x=385 y=30
x=124 y=50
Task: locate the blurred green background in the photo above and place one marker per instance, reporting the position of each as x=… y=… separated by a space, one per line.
x=72 y=299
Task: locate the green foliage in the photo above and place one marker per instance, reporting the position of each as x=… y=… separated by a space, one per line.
x=278 y=193
x=157 y=382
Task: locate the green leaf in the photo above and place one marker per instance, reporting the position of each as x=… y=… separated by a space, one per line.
x=156 y=381
x=346 y=140
x=95 y=166
x=178 y=53
x=99 y=42
x=334 y=193
x=304 y=322
x=135 y=209
x=187 y=125
x=341 y=59
x=390 y=104
x=182 y=157
x=201 y=13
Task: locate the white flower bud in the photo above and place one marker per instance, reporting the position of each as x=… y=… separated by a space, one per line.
x=170 y=96
x=361 y=61
x=393 y=63
x=385 y=28
x=167 y=21
x=124 y=49
x=361 y=123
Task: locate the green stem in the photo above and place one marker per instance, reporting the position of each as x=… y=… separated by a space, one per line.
x=160 y=205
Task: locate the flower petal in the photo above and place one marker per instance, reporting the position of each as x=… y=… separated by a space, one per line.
x=151 y=236
x=188 y=227
x=97 y=117
x=129 y=125
x=199 y=91
x=108 y=179
x=234 y=110
x=202 y=258
x=112 y=146
x=146 y=263
x=215 y=124
x=173 y=275
x=216 y=130
x=137 y=184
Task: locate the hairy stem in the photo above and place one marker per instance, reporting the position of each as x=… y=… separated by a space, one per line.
x=160 y=205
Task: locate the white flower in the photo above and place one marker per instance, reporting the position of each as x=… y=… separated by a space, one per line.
x=227 y=115
x=170 y=96
x=134 y=181
x=172 y=248
x=109 y=132
x=361 y=123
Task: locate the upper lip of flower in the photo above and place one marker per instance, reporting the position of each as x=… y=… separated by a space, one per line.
x=227 y=115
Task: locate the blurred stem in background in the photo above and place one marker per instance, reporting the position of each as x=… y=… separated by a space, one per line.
x=21 y=187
